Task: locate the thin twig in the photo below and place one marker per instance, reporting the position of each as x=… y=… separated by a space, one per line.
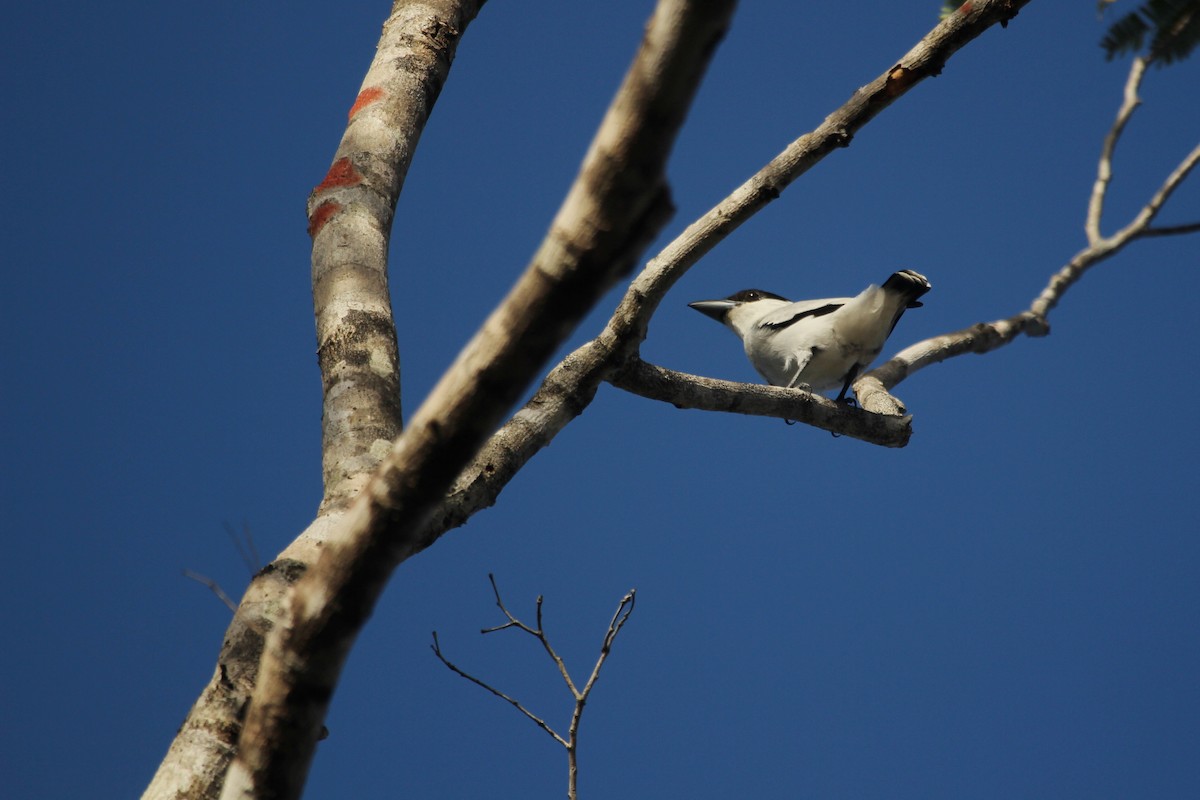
x=437 y=651
x=1108 y=247
x=1142 y=221
x=1104 y=169
x=213 y=586
x=512 y=621
x=1172 y=230
x=624 y=609
x=620 y=617
x=872 y=389
x=538 y=633
x=247 y=551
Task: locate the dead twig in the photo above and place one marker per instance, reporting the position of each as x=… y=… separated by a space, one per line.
x=213 y=586
x=570 y=741
x=873 y=388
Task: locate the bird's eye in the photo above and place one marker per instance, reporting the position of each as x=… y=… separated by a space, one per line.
x=751 y=295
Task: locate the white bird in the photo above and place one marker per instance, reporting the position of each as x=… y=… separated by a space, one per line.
x=817 y=344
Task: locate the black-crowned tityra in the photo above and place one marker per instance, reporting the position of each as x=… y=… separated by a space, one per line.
x=818 y=344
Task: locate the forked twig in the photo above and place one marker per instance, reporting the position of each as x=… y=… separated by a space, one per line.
x=541 y=723
x=873 y=388
x=570 y=741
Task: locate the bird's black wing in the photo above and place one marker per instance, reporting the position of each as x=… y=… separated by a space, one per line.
x=789 y=315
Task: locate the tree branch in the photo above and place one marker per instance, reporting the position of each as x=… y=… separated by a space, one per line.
x=571 y=386
x=213 y=587
x=1141 y=223
x=350 y=215
x=611 y=213
x=198 y=758
x=872 y=389
x=350 y=220
x=1172 y=230
x=580 y=696
x=538 y=633
x=1130 y=104
x=541 y=723
x=709 y=394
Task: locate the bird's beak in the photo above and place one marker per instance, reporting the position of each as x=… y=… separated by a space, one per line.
x=717 y=309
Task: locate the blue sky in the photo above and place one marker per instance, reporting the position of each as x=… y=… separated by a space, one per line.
x=1006 y=608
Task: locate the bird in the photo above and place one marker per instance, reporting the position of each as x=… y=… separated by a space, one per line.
x=817 y=345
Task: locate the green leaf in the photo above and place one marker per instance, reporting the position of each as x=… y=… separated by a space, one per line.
x=1172 y=28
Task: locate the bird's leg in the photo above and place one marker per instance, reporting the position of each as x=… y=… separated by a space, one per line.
x=841 y=398
x=795 y=382
x=850 y=376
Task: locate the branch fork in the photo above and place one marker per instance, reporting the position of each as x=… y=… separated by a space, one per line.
x=580 y=696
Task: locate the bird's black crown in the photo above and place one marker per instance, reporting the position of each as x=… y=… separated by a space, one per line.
x=750 y=295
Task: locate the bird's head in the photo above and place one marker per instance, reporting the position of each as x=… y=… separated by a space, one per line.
x=746 y=304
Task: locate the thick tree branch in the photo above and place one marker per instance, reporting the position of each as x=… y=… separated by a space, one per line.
x=350 y=220
x=570 y=387
x=614 y=209
x=198 y=758
x=926 y=59
x=350 y=216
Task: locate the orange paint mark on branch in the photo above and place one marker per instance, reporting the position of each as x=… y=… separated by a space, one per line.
x=364 y=99
x=899 y=79
x=342 y=173
x=322 y=214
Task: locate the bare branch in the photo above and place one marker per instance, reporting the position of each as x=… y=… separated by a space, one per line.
x=571 y=386
x=199 y=756
x=926 y=59
x=1105 y=248
x=710 y=394
x=872 y=389
x=350 y=219
x=437 y=651
x=1104 y=170
x=1142 y=221
x=613 y=210
x=571 y=742
x=1172 y=230
x=620 y=617
x=213 y=586
x=247 y=551
x=513 y=622
x=538 y=633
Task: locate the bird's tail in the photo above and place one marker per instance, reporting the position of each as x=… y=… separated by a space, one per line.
x=909 y=285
